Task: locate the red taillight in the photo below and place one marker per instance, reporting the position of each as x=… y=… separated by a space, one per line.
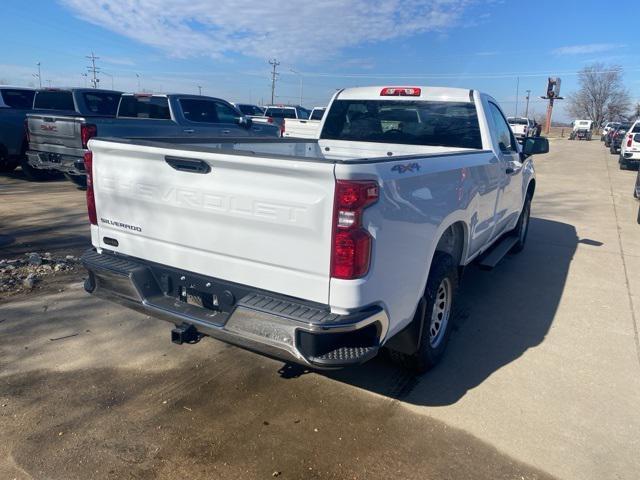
x=87 y=132
x=91 y=199
x=351 y=243
x=269 y=119
x=27 y=137
x=629 y=140
x=400 y=92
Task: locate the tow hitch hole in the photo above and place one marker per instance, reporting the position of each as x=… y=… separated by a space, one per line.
x=185 y=333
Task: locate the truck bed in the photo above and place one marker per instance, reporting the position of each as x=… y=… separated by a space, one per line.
x=298 y=148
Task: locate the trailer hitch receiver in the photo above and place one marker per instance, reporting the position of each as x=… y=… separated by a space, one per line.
x=185 y=333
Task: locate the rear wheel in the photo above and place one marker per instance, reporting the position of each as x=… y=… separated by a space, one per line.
x=79 y=180
x=522 y=227
x=6 y=165
x=613 y=150
x=435 y=317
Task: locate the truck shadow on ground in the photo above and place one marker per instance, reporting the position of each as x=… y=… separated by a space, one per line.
x=500 y=315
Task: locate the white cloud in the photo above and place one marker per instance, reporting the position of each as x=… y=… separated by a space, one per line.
x=586 y=49
x=303 y=30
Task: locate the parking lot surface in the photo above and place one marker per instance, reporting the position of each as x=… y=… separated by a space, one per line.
x=541 y=378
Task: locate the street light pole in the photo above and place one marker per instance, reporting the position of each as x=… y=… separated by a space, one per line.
x=200 y=90
x=110 y=76
x=526 y=112
x=39 y=75
x=138 y=77
x=301 y=82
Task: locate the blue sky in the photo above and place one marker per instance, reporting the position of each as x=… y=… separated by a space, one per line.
x=224 y=45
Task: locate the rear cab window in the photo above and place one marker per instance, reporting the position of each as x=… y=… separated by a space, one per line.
x=101 y=103
x=409 y=122
x=54 y=100
x=17 y=98
x=207 y=111
x=250 y=110
x=281 y=112
x=317 y=114
x=144 y=106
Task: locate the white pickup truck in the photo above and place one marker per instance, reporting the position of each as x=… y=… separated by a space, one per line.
x=316 y=252
x=304 y=128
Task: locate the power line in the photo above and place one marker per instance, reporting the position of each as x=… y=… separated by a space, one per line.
x=94 y=70
x=274 y=63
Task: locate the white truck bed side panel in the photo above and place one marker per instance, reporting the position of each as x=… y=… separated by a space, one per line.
x=414 y=209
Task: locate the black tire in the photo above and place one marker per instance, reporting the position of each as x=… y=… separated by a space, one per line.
x=79 y=180
x=443 y=271
x=36 y=175
x=522 y=227
x=613 y=150
x=622 y=163
x=6 y=165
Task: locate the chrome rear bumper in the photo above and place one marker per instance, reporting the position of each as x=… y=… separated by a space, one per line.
x=54 y=161
x=280 y=327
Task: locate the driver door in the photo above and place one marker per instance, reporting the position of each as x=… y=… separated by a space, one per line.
x=510 y=195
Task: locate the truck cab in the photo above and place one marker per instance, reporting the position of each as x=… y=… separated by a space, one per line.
x=15 y=103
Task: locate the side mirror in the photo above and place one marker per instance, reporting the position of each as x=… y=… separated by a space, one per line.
x=535 y=146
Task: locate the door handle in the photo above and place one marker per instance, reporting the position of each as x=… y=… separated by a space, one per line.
x=188 y=130
x=189 y=165
x=226 y=132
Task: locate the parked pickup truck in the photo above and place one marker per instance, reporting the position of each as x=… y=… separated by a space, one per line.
x=318 y=252
x=15 y=102
x=303 y=128
x=300 y=128
x=521 y=126
x=59 y=142
x=51 y=127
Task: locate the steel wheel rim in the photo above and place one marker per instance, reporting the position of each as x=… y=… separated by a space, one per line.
x=440 y=314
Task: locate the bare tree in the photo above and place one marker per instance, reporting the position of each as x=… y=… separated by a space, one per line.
x=602 y=94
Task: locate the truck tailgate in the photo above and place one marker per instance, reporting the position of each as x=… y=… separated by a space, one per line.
x=54 y=130
x=261 y=222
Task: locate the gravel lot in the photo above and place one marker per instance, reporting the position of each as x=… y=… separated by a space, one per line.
x=541 y=380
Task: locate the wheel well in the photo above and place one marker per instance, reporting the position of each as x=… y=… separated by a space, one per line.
x=531 y=188
x=452 y=242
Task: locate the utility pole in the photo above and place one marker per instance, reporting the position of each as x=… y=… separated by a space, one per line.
x=526 y=112
x=301 y=83
x=517 y=94
x=274 y=63
x=138 y=77
x=94 y=70
x=200 y=90
x=38 y=75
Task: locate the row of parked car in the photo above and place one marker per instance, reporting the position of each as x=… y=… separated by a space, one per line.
x=45 y=131
x=623 y=139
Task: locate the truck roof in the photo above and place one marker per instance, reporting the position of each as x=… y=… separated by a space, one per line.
x=169 y=95
x=17 y=88
x=75 y=89
x=442 y=94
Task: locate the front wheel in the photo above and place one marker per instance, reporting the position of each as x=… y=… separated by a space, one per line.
x=522 y=227
x=613 y=150
x=434 y=314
